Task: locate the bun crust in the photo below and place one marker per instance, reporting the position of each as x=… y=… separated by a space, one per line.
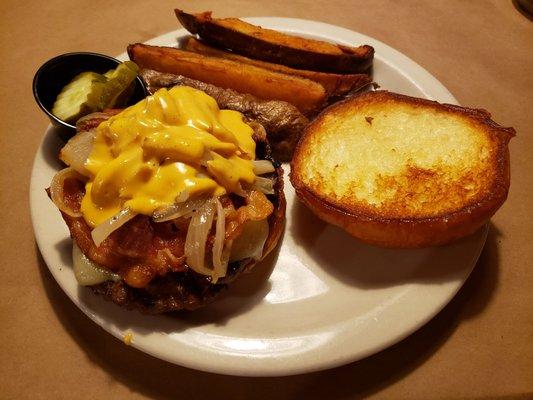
x=398 y=171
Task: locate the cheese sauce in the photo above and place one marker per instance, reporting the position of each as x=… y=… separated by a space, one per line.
x=174 y=144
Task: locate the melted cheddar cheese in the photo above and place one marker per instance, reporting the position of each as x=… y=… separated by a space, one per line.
x=174 y=144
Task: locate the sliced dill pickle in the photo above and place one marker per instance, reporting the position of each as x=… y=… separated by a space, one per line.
x=124 y=96
x=89 y=92
x=118 y=84
x=130 y=64
x=80 y=97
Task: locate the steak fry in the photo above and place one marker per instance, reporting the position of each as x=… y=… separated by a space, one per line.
x=306 y=95
x=336 y=85
x=276 y=47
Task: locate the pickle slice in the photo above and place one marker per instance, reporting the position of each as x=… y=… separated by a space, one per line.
x=89 y=92
x=119 y=81
x=80 y=97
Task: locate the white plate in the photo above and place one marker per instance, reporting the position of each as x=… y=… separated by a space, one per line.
x=330 y=300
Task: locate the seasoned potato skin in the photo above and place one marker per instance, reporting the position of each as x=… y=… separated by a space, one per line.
x=336 y=85
x=276 y=47
x=306 y=95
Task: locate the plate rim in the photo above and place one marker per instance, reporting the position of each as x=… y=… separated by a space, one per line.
x=296 y=25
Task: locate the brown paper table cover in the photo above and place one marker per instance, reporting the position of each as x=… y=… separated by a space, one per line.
x=479 y=346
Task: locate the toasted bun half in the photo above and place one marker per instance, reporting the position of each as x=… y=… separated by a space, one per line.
x=398 y=171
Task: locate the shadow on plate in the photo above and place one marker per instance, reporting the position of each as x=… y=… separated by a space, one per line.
x=160 y=380
x=241 y=296
x=366 y=266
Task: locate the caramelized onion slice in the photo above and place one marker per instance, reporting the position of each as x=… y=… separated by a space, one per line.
x=220 y=253
x=178 y=210
x=264 y=185
x=57 y=190
x=263 y=167
x=76 y=152
x=106 y=228
x=93 y=116
x=199 y=228
x=250 y=243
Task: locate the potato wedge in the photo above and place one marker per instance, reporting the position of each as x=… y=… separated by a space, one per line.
x=276 y=47
x=306 y=95
x=336 y=85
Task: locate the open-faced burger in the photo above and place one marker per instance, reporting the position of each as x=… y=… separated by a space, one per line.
x=168 y=200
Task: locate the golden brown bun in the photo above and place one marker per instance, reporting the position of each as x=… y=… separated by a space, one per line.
x=398 y=171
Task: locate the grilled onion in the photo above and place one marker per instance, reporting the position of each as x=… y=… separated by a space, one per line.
x=178 y=209
x=199 y=228
x=220 y=253
x=57 y=190
x=250 y=243
x=106 y=228
x=92 y=117
x=263 y=167
x=77 y=150
x=265 y=185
